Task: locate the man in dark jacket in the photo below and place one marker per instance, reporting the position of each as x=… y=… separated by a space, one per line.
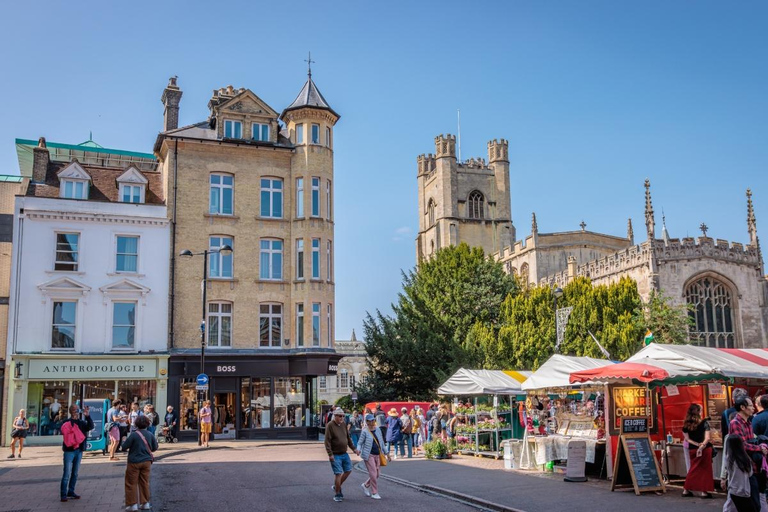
x=760 y=420
x=73 y=455
x=171 y=421
x=725 y=421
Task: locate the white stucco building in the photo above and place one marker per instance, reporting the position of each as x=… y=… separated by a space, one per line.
x=89 y=285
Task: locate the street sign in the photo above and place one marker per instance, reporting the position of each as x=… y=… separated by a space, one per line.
x=202 y=380
x=202 y=388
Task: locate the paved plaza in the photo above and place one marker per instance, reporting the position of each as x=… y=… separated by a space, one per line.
x=296 y=477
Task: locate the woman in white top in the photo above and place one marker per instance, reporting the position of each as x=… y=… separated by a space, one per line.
x=738 y=469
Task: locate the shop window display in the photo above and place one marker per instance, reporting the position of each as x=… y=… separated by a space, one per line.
x=141 y=391
x=188 y=405
x=289 y=402
x=46 y=407
x=92 y=390
x=260 y=401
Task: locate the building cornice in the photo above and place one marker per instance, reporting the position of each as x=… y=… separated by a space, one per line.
x=100 y=218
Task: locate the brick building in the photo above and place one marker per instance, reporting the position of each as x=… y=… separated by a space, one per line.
x=261 y=183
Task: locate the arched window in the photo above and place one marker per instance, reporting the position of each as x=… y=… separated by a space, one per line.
x=510 y=269
x=524 y=274
x=712 y=312
x=476 y=205
x=431 y=212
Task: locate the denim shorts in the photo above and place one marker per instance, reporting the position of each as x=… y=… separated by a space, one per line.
x=341 y=464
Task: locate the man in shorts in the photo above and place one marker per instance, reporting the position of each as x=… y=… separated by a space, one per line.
x=206 y=419
x=336 y=442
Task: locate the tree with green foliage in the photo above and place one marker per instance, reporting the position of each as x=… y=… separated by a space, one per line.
x=669 y=323
x=426 y=340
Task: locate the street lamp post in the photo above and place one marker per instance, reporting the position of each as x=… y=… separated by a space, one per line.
x=224 y=250
x=557 y=293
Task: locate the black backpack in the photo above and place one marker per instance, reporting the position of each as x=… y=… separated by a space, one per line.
x=156 y=420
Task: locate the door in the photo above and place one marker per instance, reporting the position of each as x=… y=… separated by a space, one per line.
x=224 y=417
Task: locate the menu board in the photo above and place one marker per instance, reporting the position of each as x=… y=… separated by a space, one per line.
x=634 y=426
x=716 y=406
x=636 y=465
x=581 y=428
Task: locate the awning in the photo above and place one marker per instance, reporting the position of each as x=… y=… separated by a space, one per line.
x=556 y=372
x=484 y=382
x=749 y=363
x=620 y=372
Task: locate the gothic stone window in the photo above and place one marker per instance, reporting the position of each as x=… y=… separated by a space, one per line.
x=476 y=205
x=712 y=313
x=431 y=212
x=524 y=274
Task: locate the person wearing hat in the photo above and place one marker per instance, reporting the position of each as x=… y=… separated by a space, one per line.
x=394 y=431
x=336 y=442
x=369 y=446
x=407 y=431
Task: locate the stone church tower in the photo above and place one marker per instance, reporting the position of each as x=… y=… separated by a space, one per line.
x=464 y=201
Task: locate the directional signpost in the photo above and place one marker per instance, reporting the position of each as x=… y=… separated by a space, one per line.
x=202 y=382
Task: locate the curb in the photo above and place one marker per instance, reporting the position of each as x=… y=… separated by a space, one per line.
x=448 y=493
x=184 y=451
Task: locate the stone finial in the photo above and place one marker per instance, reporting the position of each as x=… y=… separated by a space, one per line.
x=630 y=232
x=650 y=223
x=534 y=225
x=704 y=228
x=751 y=222
x=353 y=338
x=445 y=146
x=664 y=232
x=498 y=150
x=583 y=225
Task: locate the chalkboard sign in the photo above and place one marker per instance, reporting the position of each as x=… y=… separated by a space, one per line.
x=634 y=426
x=636 y=465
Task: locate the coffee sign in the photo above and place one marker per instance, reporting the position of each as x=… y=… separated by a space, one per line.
x=630 y=403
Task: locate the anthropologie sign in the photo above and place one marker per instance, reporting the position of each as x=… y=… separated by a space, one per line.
x=630 y=402
x=95 y=369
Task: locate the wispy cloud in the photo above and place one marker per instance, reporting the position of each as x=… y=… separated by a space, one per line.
x=401 y=233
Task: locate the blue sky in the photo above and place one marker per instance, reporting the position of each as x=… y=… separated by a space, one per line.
x=594 y=96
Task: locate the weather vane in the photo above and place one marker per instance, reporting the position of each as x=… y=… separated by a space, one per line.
x=583 y=225
x=309 y=62
x=703 y=228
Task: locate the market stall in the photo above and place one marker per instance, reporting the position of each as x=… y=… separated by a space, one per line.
x=490 y=417
x=558 y=412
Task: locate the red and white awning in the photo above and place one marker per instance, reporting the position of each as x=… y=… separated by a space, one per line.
x=750 y=363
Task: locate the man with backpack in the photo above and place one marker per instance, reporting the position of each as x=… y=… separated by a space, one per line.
x=75 y=431
x=407 y=430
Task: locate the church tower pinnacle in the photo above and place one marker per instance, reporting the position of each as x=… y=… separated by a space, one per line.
x=751 y=222
x=534 y=225
x=630 y=232
x=650 y=223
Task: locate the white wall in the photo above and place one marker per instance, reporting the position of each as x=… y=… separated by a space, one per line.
x=36 y=221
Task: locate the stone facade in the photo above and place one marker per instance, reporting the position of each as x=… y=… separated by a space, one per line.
x=463 y=201
x=353 y=369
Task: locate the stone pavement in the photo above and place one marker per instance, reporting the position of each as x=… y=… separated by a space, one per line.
x=293 y=476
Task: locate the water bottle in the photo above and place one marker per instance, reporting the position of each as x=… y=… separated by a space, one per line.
x=669 y=437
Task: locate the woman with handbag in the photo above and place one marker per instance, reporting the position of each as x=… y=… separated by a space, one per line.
x=696 y=433
x=19 y=433
x=140 y=444
x=369 y=445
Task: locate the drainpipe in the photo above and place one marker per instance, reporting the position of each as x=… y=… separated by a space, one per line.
x=173 y=245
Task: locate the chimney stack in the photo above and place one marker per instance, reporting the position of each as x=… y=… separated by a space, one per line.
x=171 y=98
x=40 y=160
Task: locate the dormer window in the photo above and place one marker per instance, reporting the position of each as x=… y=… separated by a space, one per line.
x=260 y=132
x=233 y=129
x=132 y=186
x=72 y=189
x=74 y=182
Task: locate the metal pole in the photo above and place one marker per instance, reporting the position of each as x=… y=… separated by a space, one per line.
x=202 y=348
x=557 y=349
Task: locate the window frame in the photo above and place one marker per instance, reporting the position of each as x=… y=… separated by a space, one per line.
x=220 y=258
x=328 y=200
x=118 y=253
x=75 y=262
x=315 y=197
x=270 y=316
x=476 y=205
x=328 y=136
x=315 y=133
x=329 y=261
x=300 y=133
x=219 y=315
x=329 y=321
x=299 y=259
x=300 y=198
x=343 y=378
x=316 y=259
x=135 y=325
x=316 y=325
x=271 y=253
x=299 y=324
x=73 y=183
x=233 y=132
x=220 y=188
x=74 y=326
x=260 y=126
x=275 y=195
x=130 y=186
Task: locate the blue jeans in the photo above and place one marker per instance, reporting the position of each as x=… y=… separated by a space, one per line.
x=341 y=464
x=406 y=440
x=391 y=445
x=71 y=467
x=355 y=437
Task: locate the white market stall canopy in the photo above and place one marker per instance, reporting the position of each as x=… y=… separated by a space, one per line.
x=747 y=363
x=556 y=372
x=484 y=382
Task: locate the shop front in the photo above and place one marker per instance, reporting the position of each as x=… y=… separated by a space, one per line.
x=252 y=396
x=47 y=385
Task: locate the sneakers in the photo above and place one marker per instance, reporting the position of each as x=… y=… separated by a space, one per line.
x=132 y=508
x=11 y=456
x=365 y=490
x=146 y=506
x=73 y=496
x=376 y=496
x=64 y=498
x=338 y=498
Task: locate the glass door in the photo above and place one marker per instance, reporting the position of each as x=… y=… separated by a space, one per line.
x=224 y=415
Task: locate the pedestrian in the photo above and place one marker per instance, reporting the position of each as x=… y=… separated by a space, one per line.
x=742 y=427
x=696 y=432
x=336 y=442
x=369 y=446
x=140 y=445
x=154 y=419
x=444 y=417
x=19 y=429
x=134 y=415
x=725 y=420
x=407 y=430
x=205 y=423
x=112 y=429
x=738 y=470
x=416 y=428
x=75 y=432
x=381 y=420
x=760 y=420
x=123 y=423
x=394 y=432
x=430 y=415
x=171 y=420
x=355 y=426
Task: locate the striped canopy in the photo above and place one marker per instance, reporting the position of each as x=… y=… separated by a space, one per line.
x=484 y=382
x=732 y=363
